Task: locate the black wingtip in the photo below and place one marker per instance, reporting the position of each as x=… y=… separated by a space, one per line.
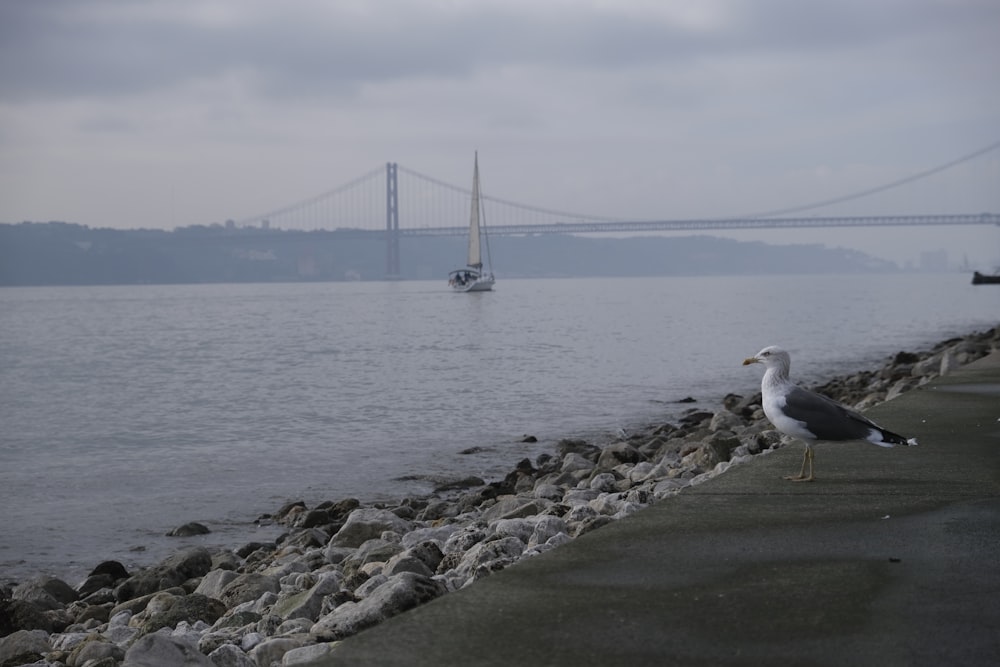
x=896 y=439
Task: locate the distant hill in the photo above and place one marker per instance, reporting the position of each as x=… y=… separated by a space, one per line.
x=58 y=253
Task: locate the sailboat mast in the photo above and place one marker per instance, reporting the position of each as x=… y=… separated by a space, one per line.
x=475 y=254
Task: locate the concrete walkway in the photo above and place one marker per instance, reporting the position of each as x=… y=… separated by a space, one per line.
x=892 y=557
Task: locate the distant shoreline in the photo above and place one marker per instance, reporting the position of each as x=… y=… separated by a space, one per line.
x=63 y=254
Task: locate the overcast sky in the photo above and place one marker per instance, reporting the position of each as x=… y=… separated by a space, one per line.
x=162 y=113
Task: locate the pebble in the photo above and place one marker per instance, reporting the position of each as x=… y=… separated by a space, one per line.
x=343 y=567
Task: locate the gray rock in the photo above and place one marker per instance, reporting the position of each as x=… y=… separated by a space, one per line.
x=576 y=497
x=189 y=529
x=299 y=626
x=406 y=563
x=463 y=539
x=122 y=635
x=237 y=619
x=428 y=551
x=372 y=551
x=641 y=471
x=173 y=571
x=548 y=491
x=574 y=461
x=67 y=641
x=171 y=610
x=96 y=649
x=714 y=449
x=521 y=529
x=546 y=527
x=901 y=386
x=369 y=587
x=579 y=513
x=488 y=557
x=582 y=447
x=248 y=587
x=305 y=539
x=131 y=607
x=213 y=583
x=603 y=483
x=422 y=558
x=308 y=603
x=336 y=555
x=607 y=503
x=272 y=651
x=23 y=646
x=591 y=524
x=618 y=453
x=950 y=361
x=724 y=420
x=366 y=524
x=654 y=446
x=213 y=639
x=314 y=655
x=513 y=507
x=159 y=649
x=438 y=509
x=230 y=655
x=21 y=615
x=399 y=593
x=225 y=560
x=45 y=593
x=928 y=366
x=557 y=540
x=723 y=442
x=669 y=487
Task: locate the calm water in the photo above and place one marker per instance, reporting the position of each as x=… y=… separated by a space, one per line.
x=127 y=411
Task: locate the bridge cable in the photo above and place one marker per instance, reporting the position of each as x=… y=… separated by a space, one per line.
x=875 y=190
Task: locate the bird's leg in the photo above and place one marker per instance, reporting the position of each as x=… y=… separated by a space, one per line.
x=807 y=457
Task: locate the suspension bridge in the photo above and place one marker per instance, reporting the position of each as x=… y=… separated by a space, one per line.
x=371 y=205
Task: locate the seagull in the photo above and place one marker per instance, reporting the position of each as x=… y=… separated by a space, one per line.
x=809 y=416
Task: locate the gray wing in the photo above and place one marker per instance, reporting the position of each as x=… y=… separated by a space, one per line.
x=826 y=418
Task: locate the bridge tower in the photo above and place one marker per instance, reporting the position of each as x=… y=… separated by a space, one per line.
x=391 y=223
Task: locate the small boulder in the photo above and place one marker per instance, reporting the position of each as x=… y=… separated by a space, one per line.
x=365 y=524
x=248 y=587
x=189 y=529
x=156 y=650
x=399 y=593
x=24 y=647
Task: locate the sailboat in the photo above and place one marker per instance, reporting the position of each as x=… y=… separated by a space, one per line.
x=473 y=278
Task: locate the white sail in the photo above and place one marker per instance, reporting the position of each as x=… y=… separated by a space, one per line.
x=475 y=254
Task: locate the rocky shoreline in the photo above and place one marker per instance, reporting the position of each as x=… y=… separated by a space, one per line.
x=341 y=567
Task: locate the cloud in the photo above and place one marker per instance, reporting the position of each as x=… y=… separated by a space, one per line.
x=626 y=108
x=109 y=47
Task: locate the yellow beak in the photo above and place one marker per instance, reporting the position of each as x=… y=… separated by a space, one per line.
x=751 y=360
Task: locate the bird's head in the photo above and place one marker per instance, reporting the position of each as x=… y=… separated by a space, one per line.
x=771 y=357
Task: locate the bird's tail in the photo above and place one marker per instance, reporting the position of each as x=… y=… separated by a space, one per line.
x=890 y=438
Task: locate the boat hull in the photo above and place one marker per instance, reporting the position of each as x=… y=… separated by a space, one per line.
x=984 y=279
x=472 y=283
x=481 y=285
